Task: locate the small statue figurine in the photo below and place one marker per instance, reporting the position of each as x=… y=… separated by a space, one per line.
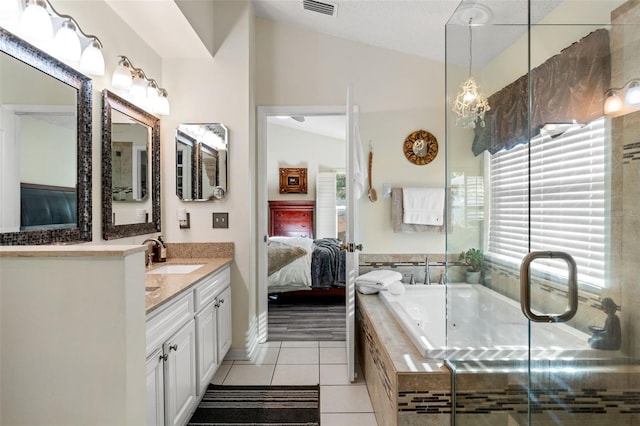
x=608 y=337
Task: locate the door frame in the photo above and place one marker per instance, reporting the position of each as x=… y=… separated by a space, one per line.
x=263 y=197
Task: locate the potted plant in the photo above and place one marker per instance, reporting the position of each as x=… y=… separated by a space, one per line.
x=474 y=259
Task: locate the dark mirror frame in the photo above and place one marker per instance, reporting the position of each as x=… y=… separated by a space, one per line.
x=111 y=101
x=30 y=55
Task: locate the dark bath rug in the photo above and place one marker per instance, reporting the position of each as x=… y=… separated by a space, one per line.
x=258 y=405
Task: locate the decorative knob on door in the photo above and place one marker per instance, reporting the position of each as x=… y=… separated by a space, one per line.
x=164 y=357
x=173 y=347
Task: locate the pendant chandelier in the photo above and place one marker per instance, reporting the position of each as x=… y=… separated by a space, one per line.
x=470 y=104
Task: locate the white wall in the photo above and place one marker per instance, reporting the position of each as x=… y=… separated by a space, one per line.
x=396 y=94
x=294 y=148
x=217 y=90
x=49 y=152
x=73 y=337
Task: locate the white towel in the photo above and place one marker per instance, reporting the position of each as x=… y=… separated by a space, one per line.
x=379 y=278
x=423 y=206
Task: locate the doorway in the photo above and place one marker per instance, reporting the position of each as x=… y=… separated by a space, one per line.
x=311 y=139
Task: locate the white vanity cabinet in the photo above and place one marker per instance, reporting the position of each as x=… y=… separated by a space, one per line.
x=180 y=375
x=187 y=338
x=213 y=324
x=224 y=322
x=155 y=388
x=171 y=367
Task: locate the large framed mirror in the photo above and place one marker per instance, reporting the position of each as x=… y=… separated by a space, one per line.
x=202 y=155
x=45 y=155
x=130 y=169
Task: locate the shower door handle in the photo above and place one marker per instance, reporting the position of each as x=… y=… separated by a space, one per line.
x=525 y=286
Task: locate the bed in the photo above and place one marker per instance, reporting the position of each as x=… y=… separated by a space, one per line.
x=298 y=263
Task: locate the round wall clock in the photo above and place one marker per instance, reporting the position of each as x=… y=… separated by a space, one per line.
x=420 y=147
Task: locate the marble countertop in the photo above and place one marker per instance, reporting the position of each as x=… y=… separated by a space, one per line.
x=171 y=285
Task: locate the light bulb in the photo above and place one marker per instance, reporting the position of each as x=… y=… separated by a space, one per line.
x=92 y=61
x=35 y=23
x=152 y=93
x=66 y=44
x=612 y=104
x=139 y=87
x=10 y=12
x=121 y=78
x=633 y=93
x=469 y=96
x=162 y=105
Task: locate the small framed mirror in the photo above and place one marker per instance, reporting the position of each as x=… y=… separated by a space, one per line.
x=202 y=155
x=130 y=169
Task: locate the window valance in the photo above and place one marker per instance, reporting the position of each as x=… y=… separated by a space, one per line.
x=568 y=86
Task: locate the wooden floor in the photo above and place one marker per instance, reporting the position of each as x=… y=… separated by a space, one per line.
x=306 y=319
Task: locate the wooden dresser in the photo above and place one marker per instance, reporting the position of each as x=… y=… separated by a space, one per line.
x=291 y=218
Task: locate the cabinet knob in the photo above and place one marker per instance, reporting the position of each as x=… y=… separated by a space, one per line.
x=173 y=347
x=164 y=357
x=221 y=301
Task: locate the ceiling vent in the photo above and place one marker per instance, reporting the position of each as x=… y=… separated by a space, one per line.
x=320 y=7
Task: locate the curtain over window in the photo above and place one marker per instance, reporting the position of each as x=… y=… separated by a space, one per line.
x=568 y=86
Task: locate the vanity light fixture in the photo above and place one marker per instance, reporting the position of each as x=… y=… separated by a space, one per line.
x=470 y=103
x=37 y=23
x=122 y=77
x=630 y=92
x=66 y=43
x=142 y=89
x=163 y=106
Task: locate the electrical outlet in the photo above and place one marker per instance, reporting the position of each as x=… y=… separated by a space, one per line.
x=221 y=220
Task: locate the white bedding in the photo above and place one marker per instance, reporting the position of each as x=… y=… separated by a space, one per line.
x=297 y=274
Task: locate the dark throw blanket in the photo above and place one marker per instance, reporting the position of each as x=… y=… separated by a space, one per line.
x=327 y=263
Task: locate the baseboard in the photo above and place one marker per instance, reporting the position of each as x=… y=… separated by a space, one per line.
x=251 y=345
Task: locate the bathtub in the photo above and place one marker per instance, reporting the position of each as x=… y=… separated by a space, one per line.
x=484 y=325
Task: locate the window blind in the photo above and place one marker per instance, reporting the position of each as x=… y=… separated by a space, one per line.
x=562 y=210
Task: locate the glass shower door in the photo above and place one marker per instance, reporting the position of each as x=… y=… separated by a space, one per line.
x=546 y=188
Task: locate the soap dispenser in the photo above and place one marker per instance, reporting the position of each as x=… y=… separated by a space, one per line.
x=162 y=251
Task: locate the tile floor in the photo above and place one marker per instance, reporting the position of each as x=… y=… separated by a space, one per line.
x=307 y=363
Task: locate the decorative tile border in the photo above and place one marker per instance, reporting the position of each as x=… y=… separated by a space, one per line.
x=514 y=399
x=631 y=152
x=425 y=402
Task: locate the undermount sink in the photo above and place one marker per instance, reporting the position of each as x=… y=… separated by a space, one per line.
x=148 y=290
x=175 y=269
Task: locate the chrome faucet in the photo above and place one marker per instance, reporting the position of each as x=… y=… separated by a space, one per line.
x=427 y=274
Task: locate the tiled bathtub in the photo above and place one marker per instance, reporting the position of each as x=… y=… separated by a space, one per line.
x=409 y=389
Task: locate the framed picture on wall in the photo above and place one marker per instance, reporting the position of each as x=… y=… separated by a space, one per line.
x=293 y=180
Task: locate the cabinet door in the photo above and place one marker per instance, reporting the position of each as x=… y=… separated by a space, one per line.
x=180 y=375
x=224 y=323
x=155 y=389
x=206 y=332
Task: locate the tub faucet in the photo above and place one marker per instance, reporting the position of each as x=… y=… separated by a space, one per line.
x=427 y=274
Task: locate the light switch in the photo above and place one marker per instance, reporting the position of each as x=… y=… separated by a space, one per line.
x=221 y=220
